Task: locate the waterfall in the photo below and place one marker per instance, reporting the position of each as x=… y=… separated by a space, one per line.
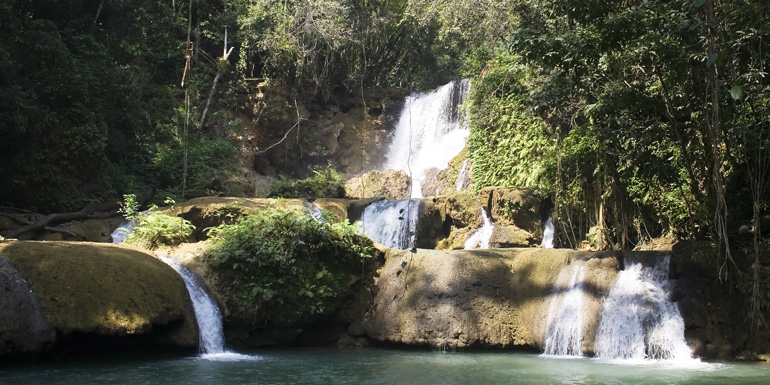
x=391 y=223
x=548 y=233
x=564 y=333
x=314 y=211
x=638 y=320
x=480 y=239
x=123 y=231
x=429 y=133
x=463 y=178
x=212 y=340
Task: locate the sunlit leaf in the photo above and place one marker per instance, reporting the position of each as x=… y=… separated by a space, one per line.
x=736 y=92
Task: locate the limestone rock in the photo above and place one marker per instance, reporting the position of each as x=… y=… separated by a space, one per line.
x=511 y=236
x=513 y=206
x=462 y=209
x=468 y=298
x=391 y=184
x=429 y=225
x=101 y=290
x=23 y=329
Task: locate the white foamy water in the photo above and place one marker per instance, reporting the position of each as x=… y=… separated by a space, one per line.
x=123 y=231
x=463 y=178
x=429 y=133
x=480 y=238
x=564 y=333
x=548 y=233
x=639 y=322
x=391 y=223
x=207 y=313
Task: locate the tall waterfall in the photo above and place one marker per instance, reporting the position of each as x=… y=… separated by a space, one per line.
x=212 y=340
x=480 y=239
x=638 y=319
x=391 y=223
x=564 y=333
x=429 y=133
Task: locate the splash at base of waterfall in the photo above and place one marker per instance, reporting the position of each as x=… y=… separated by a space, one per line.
x=480 y=239
x=564 y=335
x=639 y=322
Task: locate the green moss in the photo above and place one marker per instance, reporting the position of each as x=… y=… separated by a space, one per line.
x=99 y=288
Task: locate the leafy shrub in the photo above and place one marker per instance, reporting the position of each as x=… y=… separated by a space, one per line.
x=154 y=229
x=324 y=184
x=284 y=268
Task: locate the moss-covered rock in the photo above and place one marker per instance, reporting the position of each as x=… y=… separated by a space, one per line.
x=90 y=289
x=205 y=212
x=513 y=206
x=391 y=184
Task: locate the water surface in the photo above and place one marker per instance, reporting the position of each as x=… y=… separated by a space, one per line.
x=375 y=366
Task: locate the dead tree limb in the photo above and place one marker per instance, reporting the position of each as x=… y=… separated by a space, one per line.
x=84 y=213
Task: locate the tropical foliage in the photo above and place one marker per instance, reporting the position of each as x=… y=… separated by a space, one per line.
x=284 y=268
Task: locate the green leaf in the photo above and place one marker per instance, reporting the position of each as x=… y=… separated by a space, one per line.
x=736 y=92
x=700 y=3
x=403 y=265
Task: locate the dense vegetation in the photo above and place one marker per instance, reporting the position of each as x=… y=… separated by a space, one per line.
x=283 y=269
x=643 y=118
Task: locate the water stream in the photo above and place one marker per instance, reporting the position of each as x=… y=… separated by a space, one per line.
x=210 y=331
x=374 y=366
x=638 y=320
x=429 y=133
x=548 y=234
x=480 y=238
x=463 y=178
x=391 y=223
x=564 y=335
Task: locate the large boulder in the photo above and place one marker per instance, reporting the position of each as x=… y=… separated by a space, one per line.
x=514 y=206
x=478 y=298
x=72 y=297
x=391 y=184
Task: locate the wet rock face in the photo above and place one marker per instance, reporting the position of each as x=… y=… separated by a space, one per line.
x=93 y=291
x=23 y=329
x=471 y=298
x=513 y=206
x=391 y=184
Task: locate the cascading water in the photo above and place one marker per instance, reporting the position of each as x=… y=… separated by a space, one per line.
x=463 y=178
x=638 y=320
x=548 y=233
x=391 y=223
x=564 y=333
x=314 y=211
x=429 y=133
x=122 y=232
x=480 y=239
x=207 y=313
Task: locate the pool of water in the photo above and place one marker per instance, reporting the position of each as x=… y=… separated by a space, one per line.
x=376 y=366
